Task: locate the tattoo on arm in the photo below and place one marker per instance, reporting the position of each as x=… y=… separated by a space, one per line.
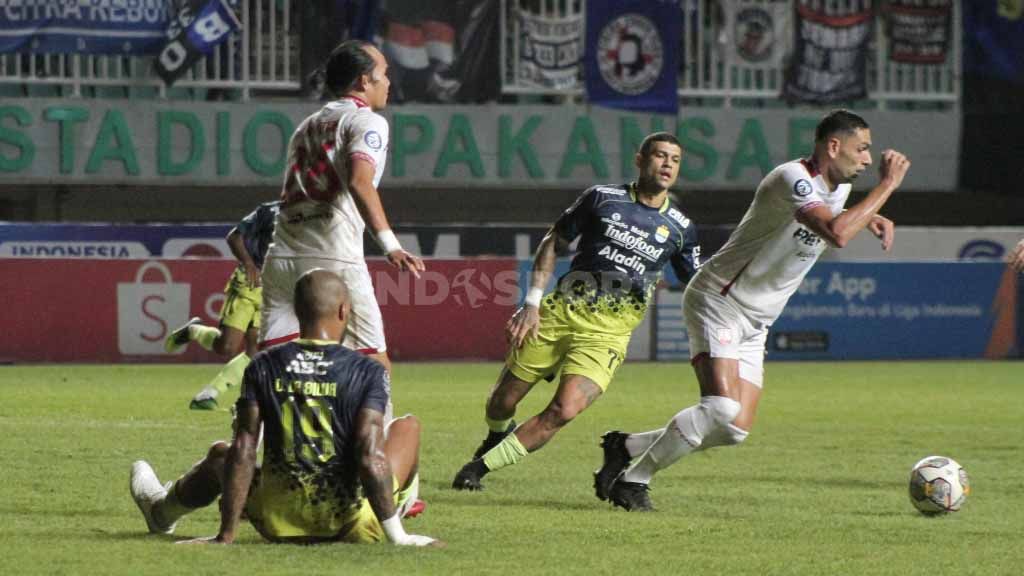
x=374 y=467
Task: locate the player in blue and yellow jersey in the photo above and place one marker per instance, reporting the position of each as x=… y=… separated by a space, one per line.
x=627 y=234
x=321 y=407
x=239 y=328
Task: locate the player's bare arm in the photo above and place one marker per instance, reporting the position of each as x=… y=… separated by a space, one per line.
x=237 y=245
x=377 y=480
x=238 y=471
x=526 y=321
x=1016 y=258
x=360 y=182
x=839 y=230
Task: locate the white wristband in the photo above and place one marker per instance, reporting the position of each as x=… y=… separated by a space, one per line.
x=393 y=529
x=533 y=296
x=388 y=242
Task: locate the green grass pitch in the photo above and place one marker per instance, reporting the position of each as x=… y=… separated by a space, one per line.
x=819 y=488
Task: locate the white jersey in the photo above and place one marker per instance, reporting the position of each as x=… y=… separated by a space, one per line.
x=770 y=252
x=319 y=217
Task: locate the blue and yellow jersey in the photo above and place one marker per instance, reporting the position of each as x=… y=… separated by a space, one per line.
x=257 y=230
x=309 y=395
x=623 y=247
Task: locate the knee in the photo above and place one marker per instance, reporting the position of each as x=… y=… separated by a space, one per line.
x=558 y=414
x=408 y=424
x=721 y=409
x=218 y=450
x=501 y=402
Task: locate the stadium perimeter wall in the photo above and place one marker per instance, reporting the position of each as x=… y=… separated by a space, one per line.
x=120 y=310
x=183 y=161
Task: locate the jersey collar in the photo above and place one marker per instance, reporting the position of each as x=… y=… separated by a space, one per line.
x=315 y=342
x=633 y=196
x=360 y=103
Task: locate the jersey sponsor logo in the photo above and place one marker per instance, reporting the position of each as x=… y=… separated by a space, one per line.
x=678 y=216
x=724 y=336
x=630 y=54
x=802 y=188
x=610 y=190
x=661 y=234
x=805 y=236
x=373 y=140
x=309 y=363
x=616 y=216
x=613 y=255
x=630 y=241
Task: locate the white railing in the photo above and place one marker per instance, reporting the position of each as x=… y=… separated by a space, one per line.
x=264 y=54
x=707 y=68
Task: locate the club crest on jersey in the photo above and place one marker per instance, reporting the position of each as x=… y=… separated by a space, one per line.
x=724 y=336
x=661 y=234
x=802 y=188
x=373 y=140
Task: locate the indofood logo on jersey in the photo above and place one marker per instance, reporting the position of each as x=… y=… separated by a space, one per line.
x=630 y=54
x=633 y=242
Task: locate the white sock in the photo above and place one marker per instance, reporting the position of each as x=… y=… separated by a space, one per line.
x=638 y=443
x=683 y=434
x=724 y=436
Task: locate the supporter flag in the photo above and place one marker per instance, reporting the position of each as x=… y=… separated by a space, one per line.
x=830 y=56
x=191 y=38
x=632 y=54
x=919 y=33
x=757 y=33
x=549 y=49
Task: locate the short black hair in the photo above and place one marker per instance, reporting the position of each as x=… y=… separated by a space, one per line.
x=648 y=143
x=346 y=64
x=838 y=121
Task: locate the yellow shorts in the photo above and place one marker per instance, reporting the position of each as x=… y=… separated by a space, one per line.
x=283 y=515
x=560 y=344
x=241 y=309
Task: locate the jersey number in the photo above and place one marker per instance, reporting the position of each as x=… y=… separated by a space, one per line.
x=314 y=439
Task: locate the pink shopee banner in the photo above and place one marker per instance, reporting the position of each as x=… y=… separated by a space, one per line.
x=122 y=310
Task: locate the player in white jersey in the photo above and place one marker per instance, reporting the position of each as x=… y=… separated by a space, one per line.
x=738 y=293
x=335 y=161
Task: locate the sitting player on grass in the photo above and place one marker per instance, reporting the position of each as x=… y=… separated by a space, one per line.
x=321 y=406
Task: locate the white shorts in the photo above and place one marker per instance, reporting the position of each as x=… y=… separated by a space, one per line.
x=365 y=331
x=717 y=327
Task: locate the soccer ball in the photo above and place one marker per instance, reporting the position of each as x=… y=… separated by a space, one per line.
x=938 y=485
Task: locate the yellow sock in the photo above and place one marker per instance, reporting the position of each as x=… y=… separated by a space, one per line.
x=510 y=451
x=204 y=335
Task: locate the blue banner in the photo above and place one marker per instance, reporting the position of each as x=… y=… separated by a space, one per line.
x=900 y=310
x=93 y=27
x=107 y=241
x=632 y=54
